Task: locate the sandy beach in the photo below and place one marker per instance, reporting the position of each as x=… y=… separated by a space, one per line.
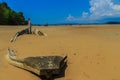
x=93 y=51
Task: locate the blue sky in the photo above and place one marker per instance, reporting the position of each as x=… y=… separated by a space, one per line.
x=67 y=11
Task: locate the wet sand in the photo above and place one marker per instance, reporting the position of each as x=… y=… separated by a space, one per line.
x=93 y=51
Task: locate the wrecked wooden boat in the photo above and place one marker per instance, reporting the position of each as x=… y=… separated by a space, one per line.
x=40 y=65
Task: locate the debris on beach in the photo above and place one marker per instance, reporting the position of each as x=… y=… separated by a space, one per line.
x=28 y=30
x=46 y=66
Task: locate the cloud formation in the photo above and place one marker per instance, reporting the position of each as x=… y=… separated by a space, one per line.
x=70 y=18
x=104 y=8
x=84 y=16
x=99 y=9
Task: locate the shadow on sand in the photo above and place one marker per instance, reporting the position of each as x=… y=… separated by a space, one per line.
x=53 y=77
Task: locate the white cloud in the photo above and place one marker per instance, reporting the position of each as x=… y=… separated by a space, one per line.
x=104 y=8
x=70 y=18
x=84 y=16
x=99 y=9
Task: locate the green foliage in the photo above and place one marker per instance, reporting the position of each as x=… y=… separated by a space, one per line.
x=9 y=16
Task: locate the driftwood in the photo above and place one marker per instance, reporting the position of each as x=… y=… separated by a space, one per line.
x=41 y=65
x=37 y=32
x=26 y=31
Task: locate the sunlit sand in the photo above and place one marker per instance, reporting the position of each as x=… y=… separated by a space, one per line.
x=93 y=51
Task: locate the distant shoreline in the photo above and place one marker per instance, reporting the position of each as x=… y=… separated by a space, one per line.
x=82 y=25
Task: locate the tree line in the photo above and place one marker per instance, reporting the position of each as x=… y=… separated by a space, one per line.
x=9 y=16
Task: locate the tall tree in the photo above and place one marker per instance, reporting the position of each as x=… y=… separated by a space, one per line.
x=9 y=16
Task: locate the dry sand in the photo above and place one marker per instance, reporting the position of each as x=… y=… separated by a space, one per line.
x=93 y=51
